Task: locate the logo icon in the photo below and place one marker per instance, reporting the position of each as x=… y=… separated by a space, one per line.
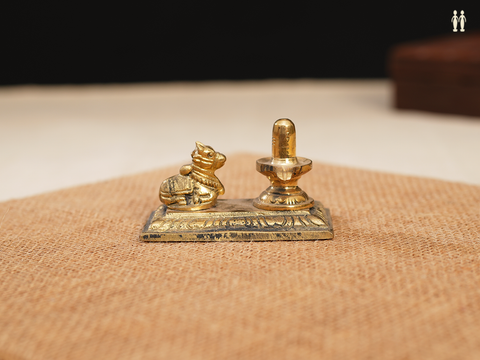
x=455 y=20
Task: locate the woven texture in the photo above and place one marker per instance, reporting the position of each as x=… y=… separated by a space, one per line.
x=400 y=280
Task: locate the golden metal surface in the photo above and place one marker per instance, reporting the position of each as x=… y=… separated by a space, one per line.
x=283 y=169
x=196 y=187
x=238 y=220
x=283 y=211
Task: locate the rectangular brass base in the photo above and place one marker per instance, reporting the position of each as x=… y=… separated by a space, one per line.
x=238 y=220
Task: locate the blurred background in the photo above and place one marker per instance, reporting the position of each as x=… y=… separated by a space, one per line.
x=93 y=91
x=64 y=42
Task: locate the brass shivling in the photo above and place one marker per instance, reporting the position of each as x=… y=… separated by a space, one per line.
x=191 y=211
x=283 y=169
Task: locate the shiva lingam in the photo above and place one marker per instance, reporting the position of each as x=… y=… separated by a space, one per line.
x=192 y=212
x=283 y=169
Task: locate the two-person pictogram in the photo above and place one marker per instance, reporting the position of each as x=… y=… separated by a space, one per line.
x=458 y=19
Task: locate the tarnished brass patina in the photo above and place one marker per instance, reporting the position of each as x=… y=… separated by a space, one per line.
x=283 y=169
x=238 y=220
x=283 y=211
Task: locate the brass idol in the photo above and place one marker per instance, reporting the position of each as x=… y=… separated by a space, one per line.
x=191 y=211
x=283 y=169
x=196 y=187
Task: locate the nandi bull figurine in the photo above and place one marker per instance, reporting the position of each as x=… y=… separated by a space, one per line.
x=196 y=187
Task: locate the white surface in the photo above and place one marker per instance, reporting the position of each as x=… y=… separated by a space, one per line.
x=56 y=137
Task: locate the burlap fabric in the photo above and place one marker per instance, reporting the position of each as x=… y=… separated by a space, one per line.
x=400 y=280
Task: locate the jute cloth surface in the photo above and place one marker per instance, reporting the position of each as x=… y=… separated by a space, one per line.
x=400 y=280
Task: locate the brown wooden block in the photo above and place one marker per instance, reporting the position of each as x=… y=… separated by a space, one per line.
x=439 y=75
